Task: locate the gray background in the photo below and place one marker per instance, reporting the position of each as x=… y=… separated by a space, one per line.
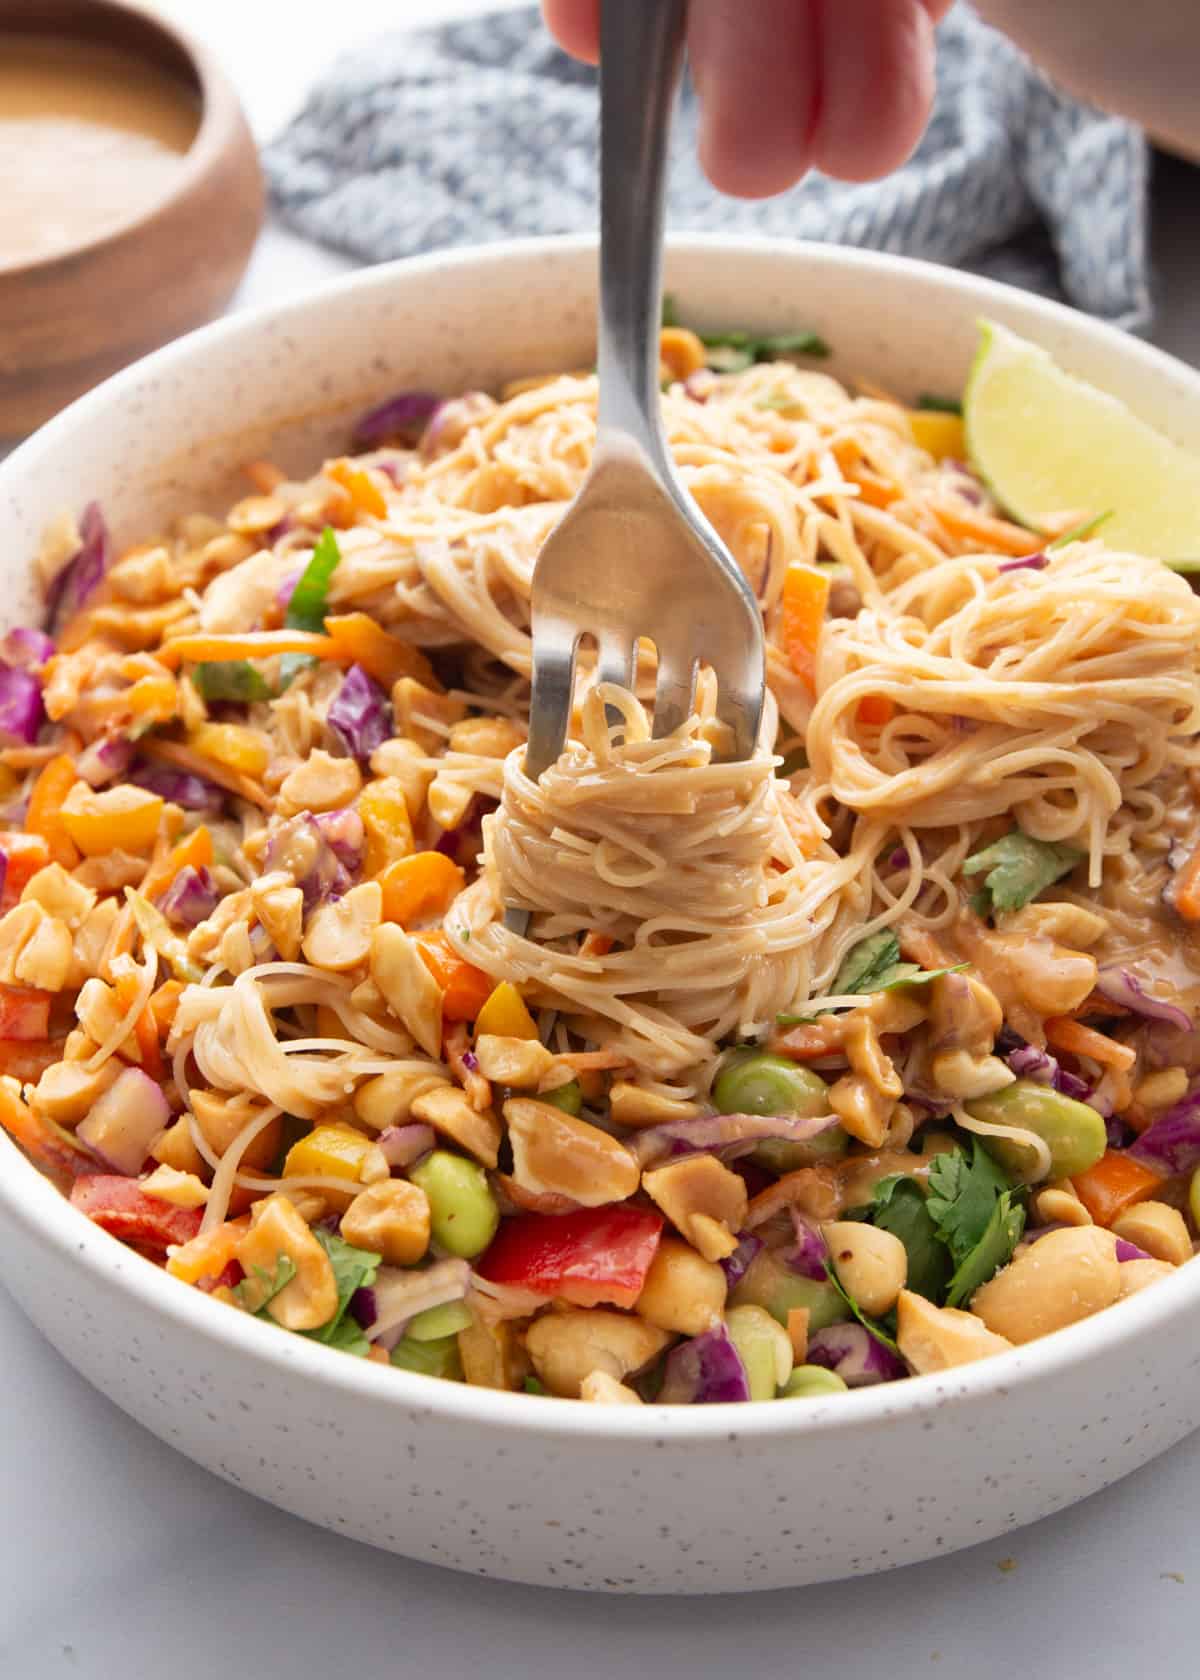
x=119 y=1560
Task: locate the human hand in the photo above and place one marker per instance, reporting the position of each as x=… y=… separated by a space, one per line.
x=791 y=85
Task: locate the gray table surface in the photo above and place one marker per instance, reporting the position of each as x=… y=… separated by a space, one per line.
x=120 y=1560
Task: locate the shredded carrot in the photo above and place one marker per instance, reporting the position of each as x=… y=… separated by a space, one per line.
x=184 y=758
x=594 y=1061
x=250 y=644
x=359 y=486
x=876 y=709
x=595 y=944
x=805 y=597
x=1185 y=890
x=997 y=536
x=44 y=816
x=195 y=851
x=356 y=639
x=265 y=476
x=1078 y=1040
x=681 y=351
x=1114 y=1183
x=164 y=1001
x=145 y=1028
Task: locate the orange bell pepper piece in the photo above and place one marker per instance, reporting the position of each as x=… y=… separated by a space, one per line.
x=356 y=639
x=1185 y=891
x=805 y=597
x=208 y=1255
x=876 y=709
x=1078 y=1040
x=44 y=816
x=145 y=1028
x=465 y=988
x=194 y=851
x=163 y=1004
x=421 y=885
x=1115 y=1183
x=360 y=486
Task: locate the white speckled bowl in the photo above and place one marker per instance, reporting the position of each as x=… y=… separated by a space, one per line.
x=717 y=1498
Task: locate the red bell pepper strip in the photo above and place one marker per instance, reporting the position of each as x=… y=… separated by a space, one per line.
x=25 y=855
x=596 y=1255
x=119 y=1206
x=24 y=1012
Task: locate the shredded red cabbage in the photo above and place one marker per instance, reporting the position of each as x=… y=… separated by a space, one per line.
x=21 y=711
x=180 y=787
x=344 y=833
x=811 y=1251
x=736 y=1265
x=1171 y=1144
x=1120 y=986
x=191 y=898
x=402 y=1145
x=361 y=1307
x=1031 y=563
x=359 y=714
x=723 y=1131
x=26 y=650
x=104 y=760
x=83 y=573
x=1130 y=1251
x=857 y=1357
x=705 y=1371
x=1028 y=1062
x=305 y=844
x=401 y=418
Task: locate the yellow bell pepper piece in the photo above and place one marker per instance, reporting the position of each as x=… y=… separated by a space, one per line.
x=247 y=750
x=329 y=1151
x=505 y=1014
x=384 y=811
x=124 y=818
x=940 y=435
x=152 y=699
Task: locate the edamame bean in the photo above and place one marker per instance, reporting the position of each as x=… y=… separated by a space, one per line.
x=431 y=1359
x=463 y=1215
x=1073 y=1132
x=755 y=1082
x=780 y=1156
x=808 y=1381
x=1194 y=1197
x=439 y=1322
x=568 y=1097
x=770 y=1284
x=764 y=1349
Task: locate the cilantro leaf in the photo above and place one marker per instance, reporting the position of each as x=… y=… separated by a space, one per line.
x=670 y=310
x=994 y=1249
x=230 y=679
x=873 y=965
x=879 y=1328
x=1019 y=867
x=353 y=1268
x=261 y=1286
x=964 y=1187
x=730 y=352
x=899 y=1206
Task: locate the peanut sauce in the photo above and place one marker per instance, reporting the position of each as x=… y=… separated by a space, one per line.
x=89 y=139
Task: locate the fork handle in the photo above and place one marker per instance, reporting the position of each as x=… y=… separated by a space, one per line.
x=641 y=62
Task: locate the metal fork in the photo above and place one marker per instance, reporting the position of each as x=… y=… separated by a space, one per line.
x=633 y=556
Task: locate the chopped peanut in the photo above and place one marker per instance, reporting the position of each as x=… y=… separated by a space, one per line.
x=68 y=1091
x=145 y=577
x=1069 y=924
x=863 y=1109
x=16 y=930
x=938 y=1338
x=630 y=1105
x=703 y=1199
x=220 y=1117
x=492 y=1355
x=449 y=801
x=1162 y=1089
x=321 y=783
x=446 y=1109
x=406 y=762
x=486 y=737
x=871 y=1264
x=279 y=1233
x=602 y=1390
x=280 y=908
x=412 y=994
x=519 y=1062
x=1058 y=1204
x=339 y=933
x=418 y=710
x=683 y=1292
x=387 y=1099
x=174 y=1148
x=45 y=960
x=389 y=1218
x=1159 y=1229
x=60 y=895
x=1137 y=1274
x=960 y=1074
x=1061 y=1278
x=567 y=1347
x=556 y=1154
x=181 y=1189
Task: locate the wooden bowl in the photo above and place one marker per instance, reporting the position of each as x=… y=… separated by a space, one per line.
x=71 y=319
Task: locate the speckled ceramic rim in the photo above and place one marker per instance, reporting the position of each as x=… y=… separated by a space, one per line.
x=33 y=1202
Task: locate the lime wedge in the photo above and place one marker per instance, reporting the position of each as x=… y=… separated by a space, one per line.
x=1044 y=441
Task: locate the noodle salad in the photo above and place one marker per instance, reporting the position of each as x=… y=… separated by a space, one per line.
x=866 y=1058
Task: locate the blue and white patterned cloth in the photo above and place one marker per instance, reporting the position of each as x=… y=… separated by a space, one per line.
x=484 y=130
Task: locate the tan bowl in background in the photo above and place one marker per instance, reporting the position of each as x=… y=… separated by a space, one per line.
x=68 y=321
